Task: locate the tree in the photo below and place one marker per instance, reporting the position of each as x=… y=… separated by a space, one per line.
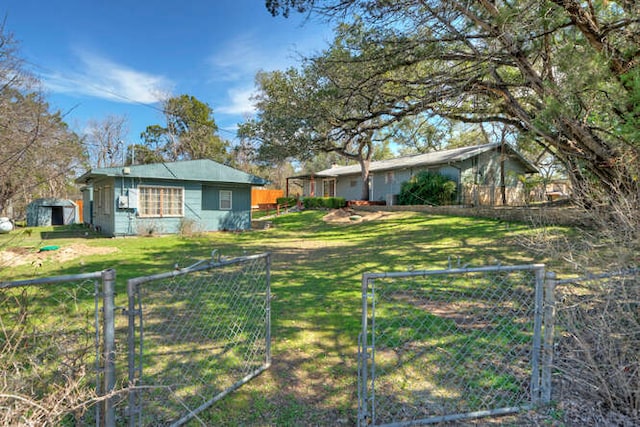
x=418 y=134
x=105 y=141
x=305 y=112
x=564 y=72
x=38 y=152
x=190 y=132
x=139 y=154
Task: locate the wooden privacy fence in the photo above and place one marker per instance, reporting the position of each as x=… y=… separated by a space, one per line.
x=260 y=196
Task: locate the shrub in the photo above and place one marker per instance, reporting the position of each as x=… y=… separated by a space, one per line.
x=427 y=188
x=324 y=202
x=189 y=228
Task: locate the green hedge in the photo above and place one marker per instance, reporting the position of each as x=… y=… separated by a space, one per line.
x=324 y=202
x=427 y=188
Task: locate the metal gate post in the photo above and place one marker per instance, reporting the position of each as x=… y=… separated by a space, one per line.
x=364 y=416
x=109 y=374
x=547 y=345
x=268 y=312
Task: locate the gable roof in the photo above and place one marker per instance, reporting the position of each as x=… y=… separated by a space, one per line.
x=435 y=158
x=204 y=170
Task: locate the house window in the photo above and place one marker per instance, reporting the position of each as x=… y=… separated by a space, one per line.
x=97 y=196
x=353 y=183
x=329 y=188
x=389 y=177
x=107 y=200
x=226 y=200
x=161 y=201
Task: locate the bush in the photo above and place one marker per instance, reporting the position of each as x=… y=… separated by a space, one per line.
x=324 y=202
x=427 y=188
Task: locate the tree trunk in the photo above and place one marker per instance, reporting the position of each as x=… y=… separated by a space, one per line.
x=364 y=168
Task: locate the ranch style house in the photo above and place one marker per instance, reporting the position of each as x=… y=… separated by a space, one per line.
x=478 y=171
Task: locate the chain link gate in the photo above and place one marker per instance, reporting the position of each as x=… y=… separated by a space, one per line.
x=456 y=344
x=195 y=335
x=57 y=350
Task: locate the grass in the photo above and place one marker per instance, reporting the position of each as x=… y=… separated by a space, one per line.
x=316 y=283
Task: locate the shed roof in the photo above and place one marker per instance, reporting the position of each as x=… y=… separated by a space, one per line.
x=52 y=201
x=435 y=158
x=204 y=170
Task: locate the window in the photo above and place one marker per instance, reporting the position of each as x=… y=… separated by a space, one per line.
x=329 y=188
x=107 y=199
x=389 y=177
x=225 y=200
x=161 y=201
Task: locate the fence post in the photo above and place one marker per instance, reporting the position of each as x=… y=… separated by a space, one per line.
x=537 y=336
x=109 y=374
x=268 y=311
x=547 y=346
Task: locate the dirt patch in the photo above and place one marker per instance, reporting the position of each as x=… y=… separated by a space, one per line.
x=12 y=257
x=351 y=216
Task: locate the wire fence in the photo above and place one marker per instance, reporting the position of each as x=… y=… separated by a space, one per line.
x=51 y=350
x=441 y=345
x=453 y=344
x=196 y=335
x=184 y=340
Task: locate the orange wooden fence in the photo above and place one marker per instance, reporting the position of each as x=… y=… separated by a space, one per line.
x=261 y=196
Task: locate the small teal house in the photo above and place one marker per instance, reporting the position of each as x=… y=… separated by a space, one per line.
x=163 y=198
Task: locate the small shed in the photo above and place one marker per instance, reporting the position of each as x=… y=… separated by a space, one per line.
x=51 y=211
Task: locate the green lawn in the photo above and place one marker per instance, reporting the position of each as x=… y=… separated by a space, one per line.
x=316 y=283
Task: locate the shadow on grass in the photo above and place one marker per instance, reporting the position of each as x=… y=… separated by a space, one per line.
x=316 y=310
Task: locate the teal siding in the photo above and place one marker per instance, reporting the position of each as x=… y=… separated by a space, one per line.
x=201 y=208
x=201 y=181
x=238 y=218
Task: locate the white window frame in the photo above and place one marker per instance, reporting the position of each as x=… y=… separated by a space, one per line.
x=225 y=200
x=329 y=187
x=164 y=194
x=389 y=177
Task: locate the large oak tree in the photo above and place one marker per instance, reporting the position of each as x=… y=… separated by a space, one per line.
x=311 y=110
x=566 y=73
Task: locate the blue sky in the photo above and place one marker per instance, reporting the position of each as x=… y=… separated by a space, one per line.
x=98 y=58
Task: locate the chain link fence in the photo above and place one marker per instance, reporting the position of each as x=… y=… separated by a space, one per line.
x=196 y=334
x=183 y=340
x=52 y=353
x=454 y=344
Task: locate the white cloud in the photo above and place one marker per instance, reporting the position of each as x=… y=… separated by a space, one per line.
x=235 y=64
x=239 y=102
x=242 y=57
x=100 y=77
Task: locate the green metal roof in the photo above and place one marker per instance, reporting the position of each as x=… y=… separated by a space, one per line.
x=188 y=170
